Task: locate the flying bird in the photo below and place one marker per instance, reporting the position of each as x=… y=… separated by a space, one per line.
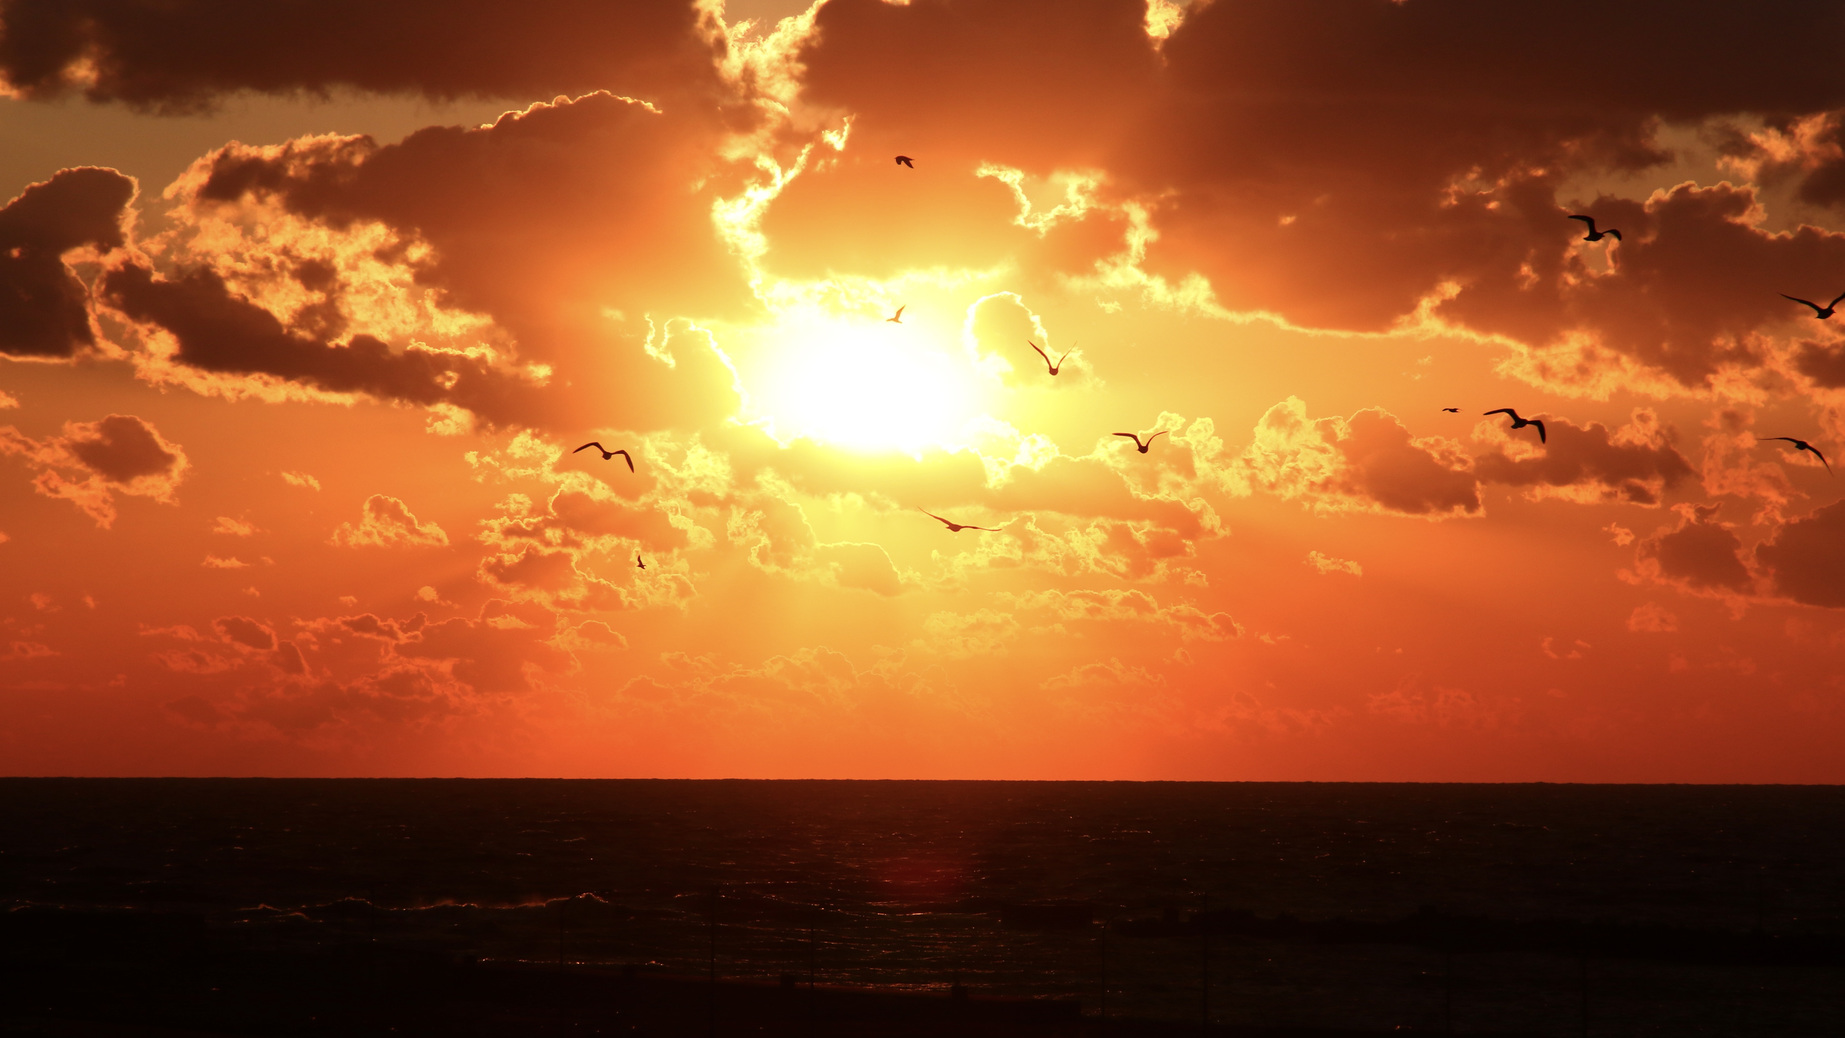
x=1520 y=423
x=1452 y=410
x=904 y=160
x=1047 y=357
x=1595 y=235
x=607 y=454
x=1821 y=312
x=1142 y=447
x=897 y=318
x=956 y=527
x=1802 y=445
x=640 y=562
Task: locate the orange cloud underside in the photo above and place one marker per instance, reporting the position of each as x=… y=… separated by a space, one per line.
x=288 y=469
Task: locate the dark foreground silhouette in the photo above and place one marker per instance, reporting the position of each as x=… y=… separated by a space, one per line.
x=181 y=974
x=280 y=907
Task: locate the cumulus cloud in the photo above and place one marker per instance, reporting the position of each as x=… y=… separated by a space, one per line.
x=1324 y=564
x=506 y=272
x=92 y=462
x=1368 y=463
x=44 y=306
x=388 y=523
x=983 y=632
x=555 y=576
x=1413 y=702
x=1806 y=558
x=1700 y=554
x=1327 y=143
x=1634 y=464
x=1184 y=619
x=231 y=527
x=1652 y=618
x=245 y=631
x=342 y=674
x=498 y=652
x=218 y=332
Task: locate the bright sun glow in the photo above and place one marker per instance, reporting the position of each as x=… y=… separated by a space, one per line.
x=863 y=384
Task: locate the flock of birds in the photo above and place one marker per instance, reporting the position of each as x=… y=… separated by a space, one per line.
x=1821 y=312
x=1140 y=445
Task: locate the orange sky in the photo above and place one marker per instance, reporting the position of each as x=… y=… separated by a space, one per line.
x=302 y=313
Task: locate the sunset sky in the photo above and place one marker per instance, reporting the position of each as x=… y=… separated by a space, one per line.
x=303 y=308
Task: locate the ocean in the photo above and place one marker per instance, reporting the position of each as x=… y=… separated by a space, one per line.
x=1364 y=908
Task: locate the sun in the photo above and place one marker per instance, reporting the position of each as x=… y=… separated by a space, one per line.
x=862 y=383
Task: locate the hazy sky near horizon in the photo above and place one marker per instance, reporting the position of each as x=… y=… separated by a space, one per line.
x=303 y=310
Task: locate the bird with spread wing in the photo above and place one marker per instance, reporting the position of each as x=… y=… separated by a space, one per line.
x=607 y=454
x=1053 y=368
x=1595 y=235
x=1802 y=445
x=1821 y=312
x=1520 y=423
x=1138 y=445
x=954 y=527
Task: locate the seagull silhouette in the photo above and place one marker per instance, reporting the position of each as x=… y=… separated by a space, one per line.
x=897 y=318
x=1047 y=357
x=904 y=160
x=1821 y=312
x=1595 y=235
x=1520 y=423
x=956 y=527
x=1142 y=447
x=1802 y=445
x=1452 y=410
x=638 y=561
x=606 y=453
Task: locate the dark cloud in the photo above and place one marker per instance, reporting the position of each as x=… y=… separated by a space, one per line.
x=1701 y=553
x=569 y=226
x=223 y=333
x=1807 y=558
x=245 y=631
x=185 y=54
x=1396 y=151
x=956 y=81
x=1822 y=362
x=1366 y=463
x=44 y=308
x=123 y=448
x=1635 y=464
x=1809 y=151
x=594 y=202
x=119 y=454
x=1693 y=283
x=1356 y=118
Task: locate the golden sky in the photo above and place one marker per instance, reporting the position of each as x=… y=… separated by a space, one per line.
x=303 y=309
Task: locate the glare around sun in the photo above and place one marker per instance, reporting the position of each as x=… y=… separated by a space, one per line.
x=861 y=382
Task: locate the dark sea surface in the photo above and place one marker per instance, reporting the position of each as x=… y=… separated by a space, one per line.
x=1531 y=909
